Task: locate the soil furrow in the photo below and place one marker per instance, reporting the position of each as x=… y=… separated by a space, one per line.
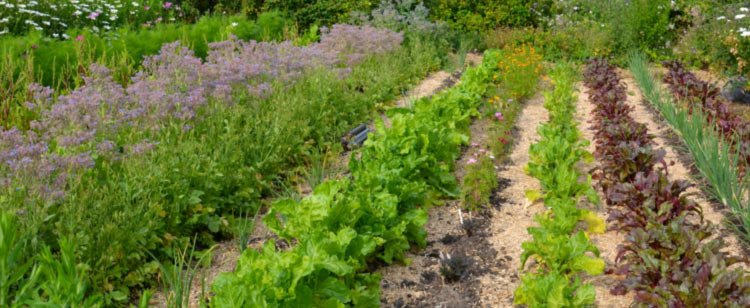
x=515 y=213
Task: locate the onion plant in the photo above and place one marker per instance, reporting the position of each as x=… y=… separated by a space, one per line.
x=713 y=156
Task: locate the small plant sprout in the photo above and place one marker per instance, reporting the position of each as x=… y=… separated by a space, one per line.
x=470 y=226
x=455 y=268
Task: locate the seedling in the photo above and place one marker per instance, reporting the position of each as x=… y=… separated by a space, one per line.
x=456 y=267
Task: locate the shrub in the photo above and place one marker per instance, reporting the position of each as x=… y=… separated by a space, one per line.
x=487 y=14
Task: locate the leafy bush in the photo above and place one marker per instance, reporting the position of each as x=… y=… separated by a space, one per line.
x=519 y=67
x=487 y=14
x=412 y=17
x=307 y=13
x=715 y=37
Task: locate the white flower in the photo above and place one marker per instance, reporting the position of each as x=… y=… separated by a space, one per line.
x=55 y=35
x=720 y=18
x=234 y=24
x=135 y=4
x=46 y=23
x=744 y=9
x=745 y=33
x=740 y=16
x=65 y=36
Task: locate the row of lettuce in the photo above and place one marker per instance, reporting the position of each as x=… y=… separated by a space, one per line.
x=376 y=214
x=670 y=257
x=561 y=249
x=127 y=175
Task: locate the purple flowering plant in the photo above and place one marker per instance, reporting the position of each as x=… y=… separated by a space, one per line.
x=122 y=169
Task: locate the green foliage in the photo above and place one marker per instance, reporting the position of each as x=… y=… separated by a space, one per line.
x=345 y=224
x=479 y=182
x=561 y=42
x=307 y=13
x=487 y=14
x=60 y=64
x=44 y=279
x=715 y=160
x=177 y=276
x=644 y=25
x=64 y=281
x=554 y=291
x=518 y=69
x=18 y=275
x=715 y=38
x=561 y=250
x=193 y=183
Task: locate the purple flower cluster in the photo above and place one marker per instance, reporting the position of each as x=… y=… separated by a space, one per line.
x=173 y=87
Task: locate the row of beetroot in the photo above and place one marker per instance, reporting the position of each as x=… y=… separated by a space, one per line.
x=375 y=216
x=668 y=256
x=561 y=248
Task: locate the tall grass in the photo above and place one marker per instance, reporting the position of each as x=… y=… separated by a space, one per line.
x=715 y=160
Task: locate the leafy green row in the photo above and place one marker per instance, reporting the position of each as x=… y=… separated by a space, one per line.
x=560 y=248
x=347 y=223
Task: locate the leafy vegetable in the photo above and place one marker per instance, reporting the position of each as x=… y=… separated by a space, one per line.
x=379 y=213
x=562 y=251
